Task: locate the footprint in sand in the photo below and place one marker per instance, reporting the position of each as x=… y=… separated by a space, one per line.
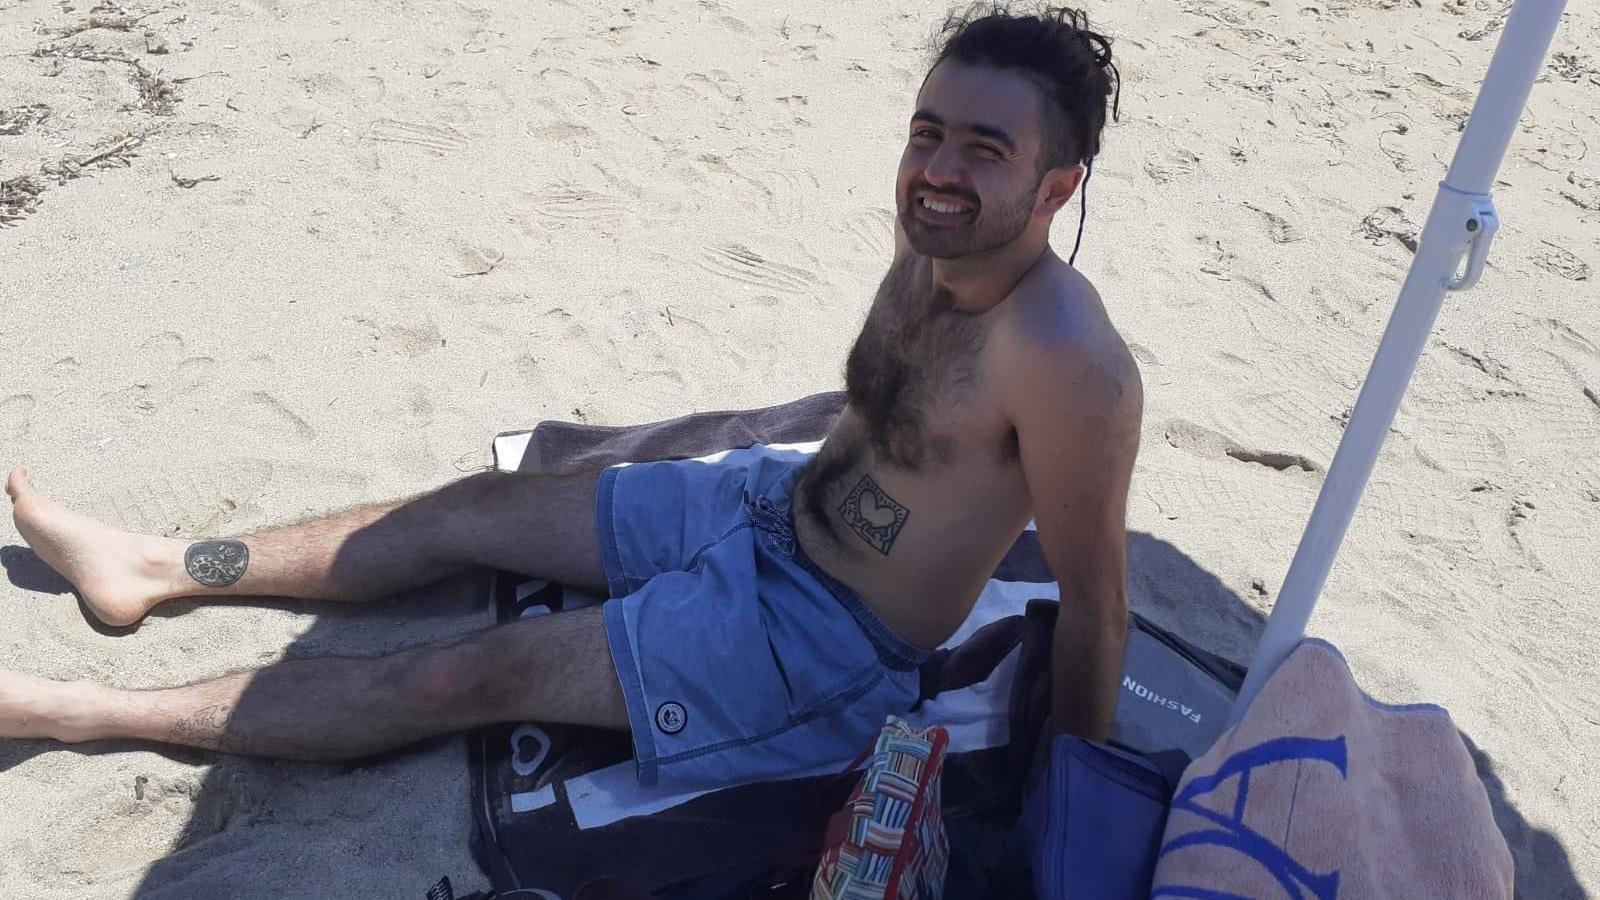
x=782 y=193
x=872 y=230
x=563 y=134
x=1560 y=261
x=531 y=370
x=1278 y=229
x=281 y=414
x=1417 y=515
x=168 y=344
x=473 y=260
x=740 y=263
x=16 y=414
x=1549 y=398
x=804 y=31
x=564 y=93
x=569 y=203
x=197 y=370
x=1480 y=361
x=1172 y=165
x=1117 y=195
x=418 y=405
x=461 y=103
x=1305 y=362
x=436 y=139
x=1197 y=496
x=1560 y=333
x=65 y=373
x=1464 y=450
x=1204 y=442
x=201 y=500
x=412 y=340
x=787 y=194
x=715 y=84
x=139 y=398
x=1292 y=411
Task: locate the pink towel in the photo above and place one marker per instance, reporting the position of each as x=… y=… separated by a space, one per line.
x=1323 y=792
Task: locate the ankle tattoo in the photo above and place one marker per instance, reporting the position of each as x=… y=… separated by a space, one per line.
x=216 y=563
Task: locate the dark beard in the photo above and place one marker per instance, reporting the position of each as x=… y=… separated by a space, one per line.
x=995 y=226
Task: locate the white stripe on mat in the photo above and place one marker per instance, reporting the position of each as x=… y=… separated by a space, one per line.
x=528 y=801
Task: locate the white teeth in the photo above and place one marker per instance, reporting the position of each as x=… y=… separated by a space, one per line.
x=946 y=208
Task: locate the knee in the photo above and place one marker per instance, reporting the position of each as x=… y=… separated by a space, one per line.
x=478 y=489
x=442 y=681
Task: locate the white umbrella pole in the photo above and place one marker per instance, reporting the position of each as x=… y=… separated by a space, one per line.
x=1461 y=224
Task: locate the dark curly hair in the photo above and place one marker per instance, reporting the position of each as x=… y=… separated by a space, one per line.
x=1053 y=46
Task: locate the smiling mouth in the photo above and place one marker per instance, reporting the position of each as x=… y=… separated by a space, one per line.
x=948 y=211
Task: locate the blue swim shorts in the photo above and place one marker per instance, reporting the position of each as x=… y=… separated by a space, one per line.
x=739 y=658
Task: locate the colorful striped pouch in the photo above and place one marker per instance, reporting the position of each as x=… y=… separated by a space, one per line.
x=888 y=843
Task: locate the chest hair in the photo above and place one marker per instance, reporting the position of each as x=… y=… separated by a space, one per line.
x=915 y=356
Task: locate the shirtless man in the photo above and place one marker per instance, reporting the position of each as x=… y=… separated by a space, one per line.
x=768 y=610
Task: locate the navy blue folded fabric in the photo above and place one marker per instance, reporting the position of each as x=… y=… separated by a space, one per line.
x=1093 y=822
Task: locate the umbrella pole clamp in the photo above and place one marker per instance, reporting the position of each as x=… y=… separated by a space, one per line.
x=1473 y=221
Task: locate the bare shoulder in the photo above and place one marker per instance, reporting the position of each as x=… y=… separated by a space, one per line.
x=1061 y=349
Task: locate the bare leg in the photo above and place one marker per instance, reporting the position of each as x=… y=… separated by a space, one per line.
x=550 y=669
x=529 y=524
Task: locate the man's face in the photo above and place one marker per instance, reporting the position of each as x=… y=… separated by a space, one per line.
x=969 y=177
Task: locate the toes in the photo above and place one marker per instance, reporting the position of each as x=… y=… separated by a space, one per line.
x=17 y=483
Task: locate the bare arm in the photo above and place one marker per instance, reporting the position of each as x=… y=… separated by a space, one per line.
x=1077 y=413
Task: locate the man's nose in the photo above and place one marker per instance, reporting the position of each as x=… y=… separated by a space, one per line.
x=945 y=167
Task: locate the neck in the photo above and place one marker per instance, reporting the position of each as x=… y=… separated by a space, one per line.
x=978 y=282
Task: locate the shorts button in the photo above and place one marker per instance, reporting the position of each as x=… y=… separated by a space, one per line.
x=671 y=717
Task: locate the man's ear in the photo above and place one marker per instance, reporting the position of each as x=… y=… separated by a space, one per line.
x=1058 y=186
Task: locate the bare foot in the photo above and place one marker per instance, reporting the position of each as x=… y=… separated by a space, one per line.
x=120 y=575
x=32 y=707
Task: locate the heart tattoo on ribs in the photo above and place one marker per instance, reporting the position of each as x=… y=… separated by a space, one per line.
x=873 y=515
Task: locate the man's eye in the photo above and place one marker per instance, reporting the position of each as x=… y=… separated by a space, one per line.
x=925 y=134
x=987 y=152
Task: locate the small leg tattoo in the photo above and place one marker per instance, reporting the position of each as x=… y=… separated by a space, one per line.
x=873 y=515
x=206 y=728
x=217 y=563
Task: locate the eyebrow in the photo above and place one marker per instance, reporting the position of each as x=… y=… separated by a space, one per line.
x=991 y=132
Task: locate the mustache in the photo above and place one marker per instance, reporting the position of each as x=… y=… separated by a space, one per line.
x=968 y=198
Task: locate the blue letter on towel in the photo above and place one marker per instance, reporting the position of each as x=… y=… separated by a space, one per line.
x=1233 y=834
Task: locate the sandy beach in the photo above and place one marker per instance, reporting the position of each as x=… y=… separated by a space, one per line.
x=263 y=260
